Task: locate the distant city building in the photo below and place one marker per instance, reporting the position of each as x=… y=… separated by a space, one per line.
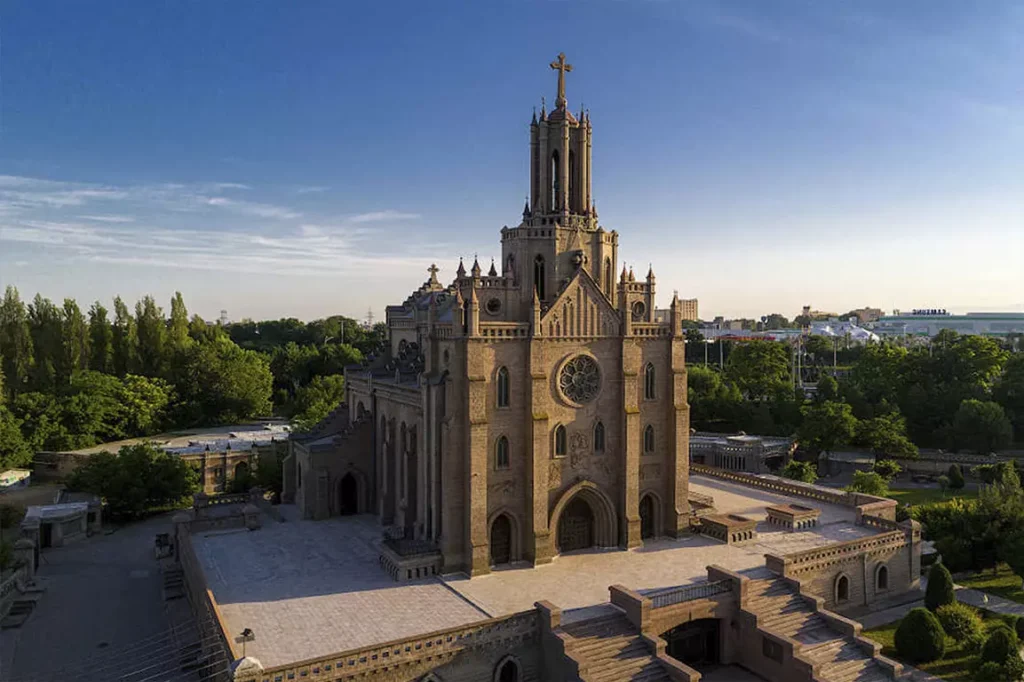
x=929 y=322
x=816 y=314
x=867 y=315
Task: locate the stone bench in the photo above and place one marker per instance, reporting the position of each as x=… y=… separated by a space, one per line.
x=793 y=516
x=729 y=528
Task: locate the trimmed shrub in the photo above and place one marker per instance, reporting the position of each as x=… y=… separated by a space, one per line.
x=959 y=621
x=1000 y=646
x=940 y=588
x=919 y=637
x=956 y=477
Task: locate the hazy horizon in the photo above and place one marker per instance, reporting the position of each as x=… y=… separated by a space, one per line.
x=283 y=160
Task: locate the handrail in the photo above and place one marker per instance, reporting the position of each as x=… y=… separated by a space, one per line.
x=684 y=593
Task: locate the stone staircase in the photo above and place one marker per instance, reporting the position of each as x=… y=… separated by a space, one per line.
x=609 y=649
x=834 y=655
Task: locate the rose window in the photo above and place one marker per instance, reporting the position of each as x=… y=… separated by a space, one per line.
x=580 y=379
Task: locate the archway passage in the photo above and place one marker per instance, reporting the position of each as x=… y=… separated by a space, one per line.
x=576 y=526
x=842 y=588
x=241 y=471
x=508 y=672
x=646 y=517
x=501 y=540
x=348 y=495
x=694 y=643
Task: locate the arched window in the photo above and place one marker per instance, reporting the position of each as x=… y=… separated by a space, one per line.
x=502 y=387
x=572 y=178
x=649 y=382
x=561 y=444
x=648 y=440
x=538 y=276
x=882 y=578
x=501 y=453
x=609 y=276
x=556 y=175
x=599 y=437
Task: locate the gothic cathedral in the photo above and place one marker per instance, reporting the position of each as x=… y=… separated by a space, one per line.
x=517 y=414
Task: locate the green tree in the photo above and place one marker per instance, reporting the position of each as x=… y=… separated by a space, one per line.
x=15 y=452
x=982 y=426
x=940 y=591
x=44 y=320
x=15 y=342
x=758 y=367
x=956 y=477
x=315 y=401
x=777 y=321
x=919 y=637
x=219 y=383
x=125 y=340
x=869 y=483
x=1009 y=392
x=138 y=478
x=827 y=390
x=827 y=426
x=101 y=339
x=886 y=435
x=152 y=332
x=1000 y=645
x=74 y=338
x=1011 y=551
x=800 y=471
x=887 y=469
x=178 y=338
x=875 y=381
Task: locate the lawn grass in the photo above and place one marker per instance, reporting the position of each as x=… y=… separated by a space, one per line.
x=1002 y=583
x=955 y=666
x=918 y=496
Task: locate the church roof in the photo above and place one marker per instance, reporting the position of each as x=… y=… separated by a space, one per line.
x=562 y=115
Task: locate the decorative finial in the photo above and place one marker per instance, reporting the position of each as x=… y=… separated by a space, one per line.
x=533 y=121
x=493 y=272
x=526 y=208
x=650 y=271
x=560 y=66
x=536 y=297
x=624 y=276
x=632 y=277
x=461 y=272
x=475 y=270
x=543 y=108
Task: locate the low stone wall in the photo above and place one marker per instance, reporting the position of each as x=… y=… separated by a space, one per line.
x=877 y=506
x=470 y=652
x=218 y=651
x=10 y=587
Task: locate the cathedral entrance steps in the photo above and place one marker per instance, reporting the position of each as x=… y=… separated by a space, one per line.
x=609 y=649
x=834 y=654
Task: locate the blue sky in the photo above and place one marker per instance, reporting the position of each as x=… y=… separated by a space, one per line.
x=312 y=158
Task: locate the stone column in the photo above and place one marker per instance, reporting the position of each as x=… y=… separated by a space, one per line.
x=540 y=545
x=629 y=533
x=679 y=452
x=476 y=493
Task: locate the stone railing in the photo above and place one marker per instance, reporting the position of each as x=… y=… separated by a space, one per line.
x=684 y=593
x=504 y=330
x=701 y=499
x=878 y=522
x=10 y=587
x=436 y=647
x=864 y=504
x=651 y=329
x=814 y=559
x=775 y=485
x=217 y=644
x=443 y=331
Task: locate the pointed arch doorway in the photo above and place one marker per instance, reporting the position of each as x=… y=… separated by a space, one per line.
x=576 y=526
x=348 y=495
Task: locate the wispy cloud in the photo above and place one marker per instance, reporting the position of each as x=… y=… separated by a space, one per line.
x=311 y=189
x=108 y=218
x=382 y=216
x=253 y=209
x=194 y=226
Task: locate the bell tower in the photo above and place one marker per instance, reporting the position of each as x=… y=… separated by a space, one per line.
x=560 y=156
x=560 y=233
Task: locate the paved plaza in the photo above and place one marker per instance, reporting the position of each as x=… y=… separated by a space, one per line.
x=311 y=588
x=102 y=594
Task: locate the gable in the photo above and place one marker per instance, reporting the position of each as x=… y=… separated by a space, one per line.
x=581 y=309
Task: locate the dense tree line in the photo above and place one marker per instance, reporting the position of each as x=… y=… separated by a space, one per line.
x=956 y=392
x=71 y=378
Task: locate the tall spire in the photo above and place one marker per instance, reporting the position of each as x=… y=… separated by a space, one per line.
x=561 y=67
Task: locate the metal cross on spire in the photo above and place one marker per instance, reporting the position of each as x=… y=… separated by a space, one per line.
x=561 y=67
